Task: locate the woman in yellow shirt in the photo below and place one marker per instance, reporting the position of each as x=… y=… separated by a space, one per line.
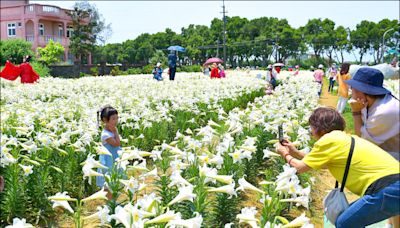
x=343 y=90
x=374 y=174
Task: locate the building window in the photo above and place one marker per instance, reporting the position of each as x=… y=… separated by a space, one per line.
x=70 y=30
x=41 y=29
x=60 y=31
x=19 y=24
x=11 y=29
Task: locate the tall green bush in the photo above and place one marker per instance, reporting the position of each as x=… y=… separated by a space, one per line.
x=14 y=50
x=41 y=69
x=51 y=53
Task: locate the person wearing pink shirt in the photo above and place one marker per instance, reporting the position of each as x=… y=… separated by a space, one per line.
x=318 y=75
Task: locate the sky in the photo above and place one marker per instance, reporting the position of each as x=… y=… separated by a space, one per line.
x=129 y=19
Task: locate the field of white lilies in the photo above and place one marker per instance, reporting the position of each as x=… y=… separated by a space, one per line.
x=195 y=152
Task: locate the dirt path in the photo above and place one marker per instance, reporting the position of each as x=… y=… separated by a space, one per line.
x=324 y=180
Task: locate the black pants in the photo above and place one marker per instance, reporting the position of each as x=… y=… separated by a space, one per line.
x=172 y=71
x=331 y=84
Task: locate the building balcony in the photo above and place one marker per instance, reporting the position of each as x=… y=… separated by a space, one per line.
x=44 y=40
x=46 y=11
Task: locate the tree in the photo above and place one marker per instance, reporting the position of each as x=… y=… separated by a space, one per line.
x=89 y=28
x=160 y=57
x=317 y=35
x=360 y=39
x=379 y=29
x=329 y=38
x=342 y=43
x=51 y=53
x=14 y=50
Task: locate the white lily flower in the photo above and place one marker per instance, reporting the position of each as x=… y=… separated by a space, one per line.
x=6 y=158
x=185 y=193
x=28 y=169
x=152 y=173
x=212 y=123
x=131 y=185
x=299 y=221
x=122 y=216
x=188 y=223
x=20 y=223
x=101 y=150
x=148 y=202
x=301 y=200
x=268 y=153
x=139 y=166
x=61 y=200
x=103 y=213
x=244 y=185
x=228 y=189
x=247 y=215
x=166 y=217
x=218 y=160
x=178 y=180
x=102 y=194
x=226 y=179
x=228 y=225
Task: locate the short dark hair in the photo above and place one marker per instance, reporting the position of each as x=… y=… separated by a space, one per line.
x=326 y=119
x=344 y=69
x=105 y=113
x=28 y=58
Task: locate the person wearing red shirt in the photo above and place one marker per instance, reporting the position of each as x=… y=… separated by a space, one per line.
x=214 y=71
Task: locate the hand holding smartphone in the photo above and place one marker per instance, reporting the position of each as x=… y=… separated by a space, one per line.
x=280 y=134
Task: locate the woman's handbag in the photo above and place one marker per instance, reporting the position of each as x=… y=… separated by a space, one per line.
x=335 y=202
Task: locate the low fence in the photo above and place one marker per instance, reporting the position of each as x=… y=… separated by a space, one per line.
x=74 y=71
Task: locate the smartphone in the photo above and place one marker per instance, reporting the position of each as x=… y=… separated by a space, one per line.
x=280 y=134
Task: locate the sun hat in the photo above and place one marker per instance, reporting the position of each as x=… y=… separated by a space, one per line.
x=269 y=66
x=158 y=64
x=320 y=66
x=369 y=81
x=297 y=66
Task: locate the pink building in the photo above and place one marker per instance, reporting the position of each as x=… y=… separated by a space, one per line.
x=36 y=23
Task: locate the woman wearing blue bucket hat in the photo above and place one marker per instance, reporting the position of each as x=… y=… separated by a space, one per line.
x=376 y=115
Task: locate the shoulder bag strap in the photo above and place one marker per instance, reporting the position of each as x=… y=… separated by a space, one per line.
x=346 y=171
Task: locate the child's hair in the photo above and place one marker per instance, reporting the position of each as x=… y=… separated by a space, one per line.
x=325 y=120
x=105 y=113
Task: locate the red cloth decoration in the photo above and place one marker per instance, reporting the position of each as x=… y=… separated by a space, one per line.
x=10 y=72
x=28 y=75
x=25 y=70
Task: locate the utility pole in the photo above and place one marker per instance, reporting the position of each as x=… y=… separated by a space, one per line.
x=224 y=20
x=276 y=49
x=217 y=48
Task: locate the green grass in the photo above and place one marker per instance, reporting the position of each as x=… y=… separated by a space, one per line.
x=348 y=117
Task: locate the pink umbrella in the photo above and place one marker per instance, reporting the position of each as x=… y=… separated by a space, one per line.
x=213 y=60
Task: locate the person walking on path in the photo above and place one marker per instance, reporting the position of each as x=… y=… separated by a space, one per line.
x=343 y=87
x=172 y=65
x=373 y=173
x=332 y=72
x=318 y=75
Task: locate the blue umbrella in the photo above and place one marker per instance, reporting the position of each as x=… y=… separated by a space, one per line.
x=176 y=48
